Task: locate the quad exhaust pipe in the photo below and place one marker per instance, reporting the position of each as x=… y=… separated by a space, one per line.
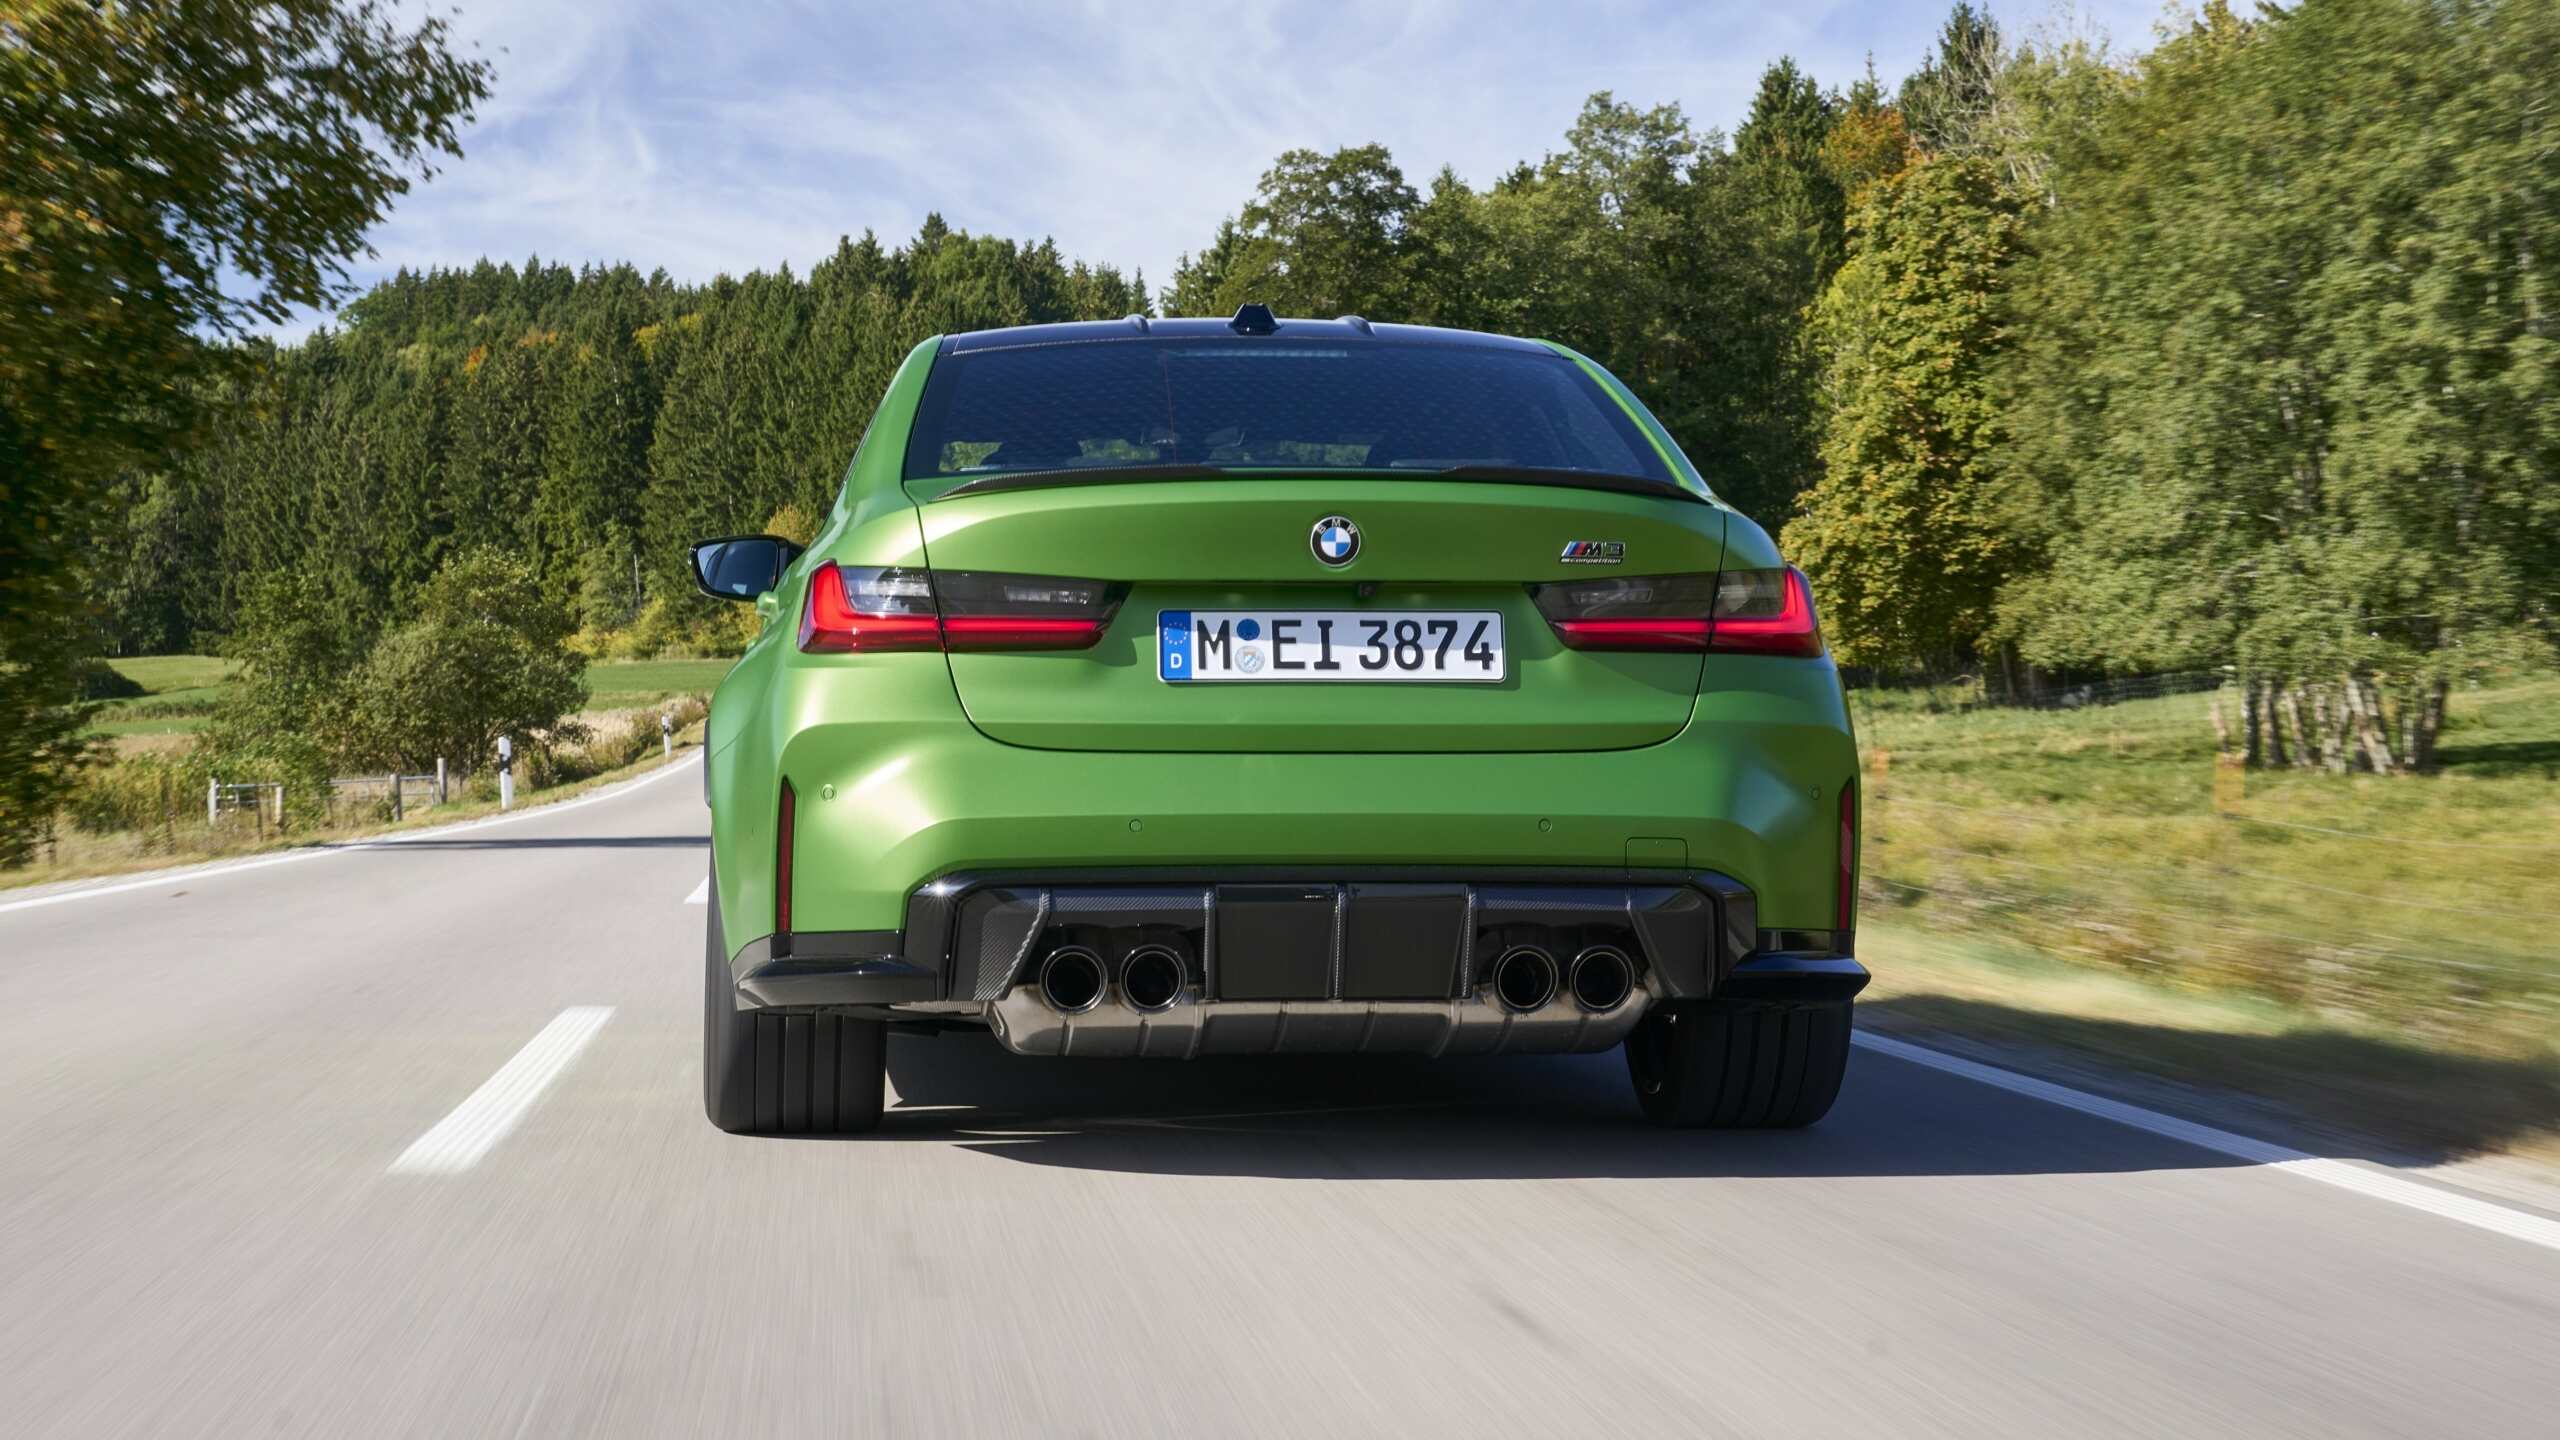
x=1071 y=979
x=1524 y=979
x=1151 y=978
x=1074 y=980
x=1602 y=978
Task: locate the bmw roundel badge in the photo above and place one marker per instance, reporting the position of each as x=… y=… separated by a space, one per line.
x=1335 y=540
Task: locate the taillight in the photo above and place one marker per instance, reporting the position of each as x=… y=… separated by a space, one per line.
x=986 y=611
x=1766 y=612
x=1641 y=612
x=868 y=609
x=1750 y=612
x=1848 y=901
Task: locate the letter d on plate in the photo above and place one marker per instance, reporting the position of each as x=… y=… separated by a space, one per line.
x=1173 y=645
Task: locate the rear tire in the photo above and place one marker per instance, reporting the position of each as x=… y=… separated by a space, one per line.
x=1714 y=1065
x=789 y=1074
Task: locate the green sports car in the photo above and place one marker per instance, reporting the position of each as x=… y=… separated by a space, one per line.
x=1184 y=687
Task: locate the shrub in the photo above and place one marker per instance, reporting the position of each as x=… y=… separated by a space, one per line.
x=486 y=656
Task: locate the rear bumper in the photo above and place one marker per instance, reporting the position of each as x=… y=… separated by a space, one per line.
x=1272 y=958
x=892 y=796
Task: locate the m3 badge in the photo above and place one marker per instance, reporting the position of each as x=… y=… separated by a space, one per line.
x=1594 y=552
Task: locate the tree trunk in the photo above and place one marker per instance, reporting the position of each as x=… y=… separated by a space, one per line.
x=2427 y=722
x=2249 y=752
x=2221 y=727
x=2365 y=704
x=2275 y=725
x=2305 y=752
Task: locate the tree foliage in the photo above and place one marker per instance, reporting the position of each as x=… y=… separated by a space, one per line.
x=2241 y=354
x=2289 y=387
x=1905 y=536
x=169 y=172
x=486 y=655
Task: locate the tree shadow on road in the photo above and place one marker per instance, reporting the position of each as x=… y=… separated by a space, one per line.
x=1541 y=1117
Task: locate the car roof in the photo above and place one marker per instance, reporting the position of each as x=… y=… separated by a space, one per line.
x=1350 y=330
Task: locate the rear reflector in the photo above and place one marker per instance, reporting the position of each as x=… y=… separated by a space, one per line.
x=863 y=609
x=1848 y=902
x=783 y=825
x=1751 y=612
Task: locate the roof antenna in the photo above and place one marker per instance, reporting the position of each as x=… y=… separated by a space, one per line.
x=1354 y=321
x=1253 y=318
x=1135 y=322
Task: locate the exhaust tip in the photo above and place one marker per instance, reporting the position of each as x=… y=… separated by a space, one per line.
x=1071 y=979
x=1151 y=978
x=1603 y=977
x=1524 y=979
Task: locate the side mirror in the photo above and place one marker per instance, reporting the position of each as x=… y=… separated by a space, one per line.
x=741 y=567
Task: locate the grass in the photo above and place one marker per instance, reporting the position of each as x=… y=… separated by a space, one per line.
x=2348 y=1082
x=621 y=683
x=184 y=689
x=168 y=674
x=2109 y=839
x=186 y=839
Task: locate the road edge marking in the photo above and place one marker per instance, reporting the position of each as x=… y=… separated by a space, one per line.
x=471 y=1129
x=321 y=852
x=2344 y=1175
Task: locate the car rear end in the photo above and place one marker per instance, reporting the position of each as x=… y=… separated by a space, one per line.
x=1183 y=688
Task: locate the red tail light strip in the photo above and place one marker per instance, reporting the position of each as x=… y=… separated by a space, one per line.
x=782 y=837
x=1736 y=612
x=1792 y=631
x=909 y=609
x=1848 y=903
x=1637 y=634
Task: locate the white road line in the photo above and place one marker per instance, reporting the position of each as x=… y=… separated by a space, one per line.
x=2451 y=1205
x=295 y=857
x=456 y=1143
x=701 y=892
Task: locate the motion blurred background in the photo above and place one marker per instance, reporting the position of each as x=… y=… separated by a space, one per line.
x=2166 y=407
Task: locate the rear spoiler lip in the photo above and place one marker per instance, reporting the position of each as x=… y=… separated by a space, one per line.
x=1479 y=474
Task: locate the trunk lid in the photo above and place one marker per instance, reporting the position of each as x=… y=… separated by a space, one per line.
x=1239 y=543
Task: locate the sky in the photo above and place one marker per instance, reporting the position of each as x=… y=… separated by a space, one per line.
x=712 y=136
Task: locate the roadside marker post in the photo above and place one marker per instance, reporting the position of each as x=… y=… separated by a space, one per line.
x=666 y=736
x=506 y=772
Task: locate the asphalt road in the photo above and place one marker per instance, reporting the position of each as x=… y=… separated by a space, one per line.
x=255 y=1178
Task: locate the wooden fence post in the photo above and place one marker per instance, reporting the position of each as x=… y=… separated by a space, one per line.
x=440 y=794
x=395 y=797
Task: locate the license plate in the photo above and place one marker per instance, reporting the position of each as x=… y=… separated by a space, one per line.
x=1446 y=645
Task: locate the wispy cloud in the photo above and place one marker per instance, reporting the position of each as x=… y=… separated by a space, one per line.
x=732 y=137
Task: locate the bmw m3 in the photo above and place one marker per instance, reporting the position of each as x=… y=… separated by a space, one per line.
x=1165 y=688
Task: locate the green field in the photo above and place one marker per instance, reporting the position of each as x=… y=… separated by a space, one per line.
x=182 y=690
x=615 y=684
x=2108 y=838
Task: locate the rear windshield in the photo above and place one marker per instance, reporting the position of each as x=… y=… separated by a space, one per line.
x=1255 y=403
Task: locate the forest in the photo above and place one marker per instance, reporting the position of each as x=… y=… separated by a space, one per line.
x=2042 y=359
